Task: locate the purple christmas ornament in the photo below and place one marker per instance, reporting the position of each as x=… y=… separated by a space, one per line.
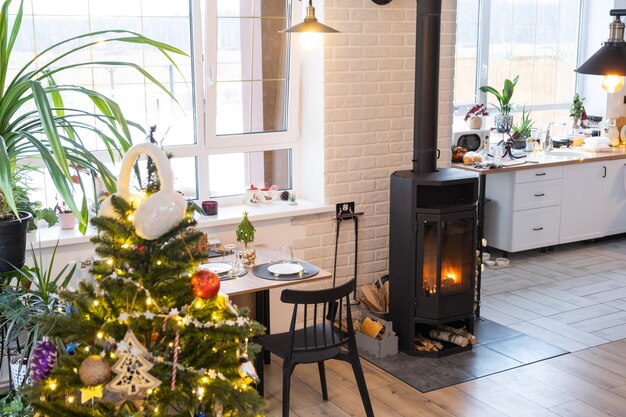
x=43 y=359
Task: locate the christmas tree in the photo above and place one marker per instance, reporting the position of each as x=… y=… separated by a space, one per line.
x=152 y=336
x=245 y=230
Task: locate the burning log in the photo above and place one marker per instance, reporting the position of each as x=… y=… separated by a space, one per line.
x=446 y=336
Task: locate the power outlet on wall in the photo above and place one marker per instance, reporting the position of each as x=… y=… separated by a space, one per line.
x=344 y=208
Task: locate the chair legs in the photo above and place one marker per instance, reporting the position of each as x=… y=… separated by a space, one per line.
x=320 y=366
x=259 y=366
x=360 y=382
x=287 y=371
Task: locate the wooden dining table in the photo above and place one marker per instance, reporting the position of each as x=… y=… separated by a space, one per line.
x=250 y=284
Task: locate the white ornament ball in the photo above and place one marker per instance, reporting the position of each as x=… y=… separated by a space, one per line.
x=94 y=371
x=159 y=214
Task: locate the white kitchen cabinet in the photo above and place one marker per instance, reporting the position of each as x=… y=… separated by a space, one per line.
x=615 y=197
x=535 y=228
x=532 y=195
x=539 y=207
x=582 y=201
x=523 y=209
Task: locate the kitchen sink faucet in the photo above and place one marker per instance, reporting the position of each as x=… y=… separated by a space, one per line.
x=547 y=142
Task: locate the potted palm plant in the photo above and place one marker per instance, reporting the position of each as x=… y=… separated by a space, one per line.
x=503 y=120
x=13 y=229
x=35 y=122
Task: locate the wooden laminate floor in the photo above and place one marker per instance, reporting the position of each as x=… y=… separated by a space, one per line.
x=574 y=298
x=587 y=383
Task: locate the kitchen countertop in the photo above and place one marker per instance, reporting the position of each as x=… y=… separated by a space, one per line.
x=541 y=160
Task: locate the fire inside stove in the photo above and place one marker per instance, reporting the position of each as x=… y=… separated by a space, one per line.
x=447 y=271
x=450 y=284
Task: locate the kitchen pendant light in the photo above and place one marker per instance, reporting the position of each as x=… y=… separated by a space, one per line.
x=310 y=24
x=610 y=60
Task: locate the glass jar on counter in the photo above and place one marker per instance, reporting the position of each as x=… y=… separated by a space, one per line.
x=612 y=132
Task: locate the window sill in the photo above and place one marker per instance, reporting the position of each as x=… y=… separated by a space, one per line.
x=47 y=237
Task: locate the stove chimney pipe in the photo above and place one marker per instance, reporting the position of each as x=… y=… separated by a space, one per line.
x=425 y=119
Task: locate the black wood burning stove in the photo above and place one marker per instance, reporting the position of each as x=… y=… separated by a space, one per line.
x=432 y=257
x=433 y=216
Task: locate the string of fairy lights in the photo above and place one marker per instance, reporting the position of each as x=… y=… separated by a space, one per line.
x=205 y=376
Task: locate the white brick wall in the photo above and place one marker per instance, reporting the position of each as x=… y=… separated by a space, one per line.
x=368 y=122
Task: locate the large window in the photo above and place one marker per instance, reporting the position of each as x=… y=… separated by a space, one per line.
x=233 y=121
x=251 y=105
x=535 y=39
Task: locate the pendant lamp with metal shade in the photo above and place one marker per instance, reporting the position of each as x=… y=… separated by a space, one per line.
x=310 y=24
x=610 y=60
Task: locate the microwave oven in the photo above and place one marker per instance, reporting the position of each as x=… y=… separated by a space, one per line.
x=470 y=139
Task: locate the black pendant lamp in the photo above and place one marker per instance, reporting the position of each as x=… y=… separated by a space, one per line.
x=610 y=60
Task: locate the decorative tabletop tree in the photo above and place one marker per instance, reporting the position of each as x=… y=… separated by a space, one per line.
x=245 y=233
x=153 y=337
x=576 y=110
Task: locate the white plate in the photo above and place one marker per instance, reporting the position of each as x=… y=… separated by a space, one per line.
x=285 y=269
x=217 y=267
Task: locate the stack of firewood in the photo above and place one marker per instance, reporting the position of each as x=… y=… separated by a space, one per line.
x=427 y=345
x=376 y=296
x=460 y=337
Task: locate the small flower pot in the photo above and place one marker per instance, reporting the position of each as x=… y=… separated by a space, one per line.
x=503 y=122
x=67 y=221
x=475 y=122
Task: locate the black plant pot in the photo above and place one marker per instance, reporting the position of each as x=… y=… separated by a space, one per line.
x=13 y=242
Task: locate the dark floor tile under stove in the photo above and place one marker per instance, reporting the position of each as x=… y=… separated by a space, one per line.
x=499 y=349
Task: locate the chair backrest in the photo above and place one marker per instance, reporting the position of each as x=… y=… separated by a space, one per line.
x=330 y=329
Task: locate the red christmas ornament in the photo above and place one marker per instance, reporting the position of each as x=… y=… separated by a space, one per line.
x=206 y=284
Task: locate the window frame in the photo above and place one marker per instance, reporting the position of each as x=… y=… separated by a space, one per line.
x=482 y=61
x=213 y=144
x=206 y=142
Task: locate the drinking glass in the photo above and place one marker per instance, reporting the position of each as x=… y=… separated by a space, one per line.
x=229 y=256
x=238 y=267
x=285 y=253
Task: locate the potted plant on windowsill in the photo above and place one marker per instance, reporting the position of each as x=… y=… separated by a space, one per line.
x=66 y=217
x=36 y=124
x=13 y=229
x=474 y=116
x=504 y=120
x=576 y=110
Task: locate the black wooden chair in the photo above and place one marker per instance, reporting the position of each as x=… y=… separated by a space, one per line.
x=322 y=337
